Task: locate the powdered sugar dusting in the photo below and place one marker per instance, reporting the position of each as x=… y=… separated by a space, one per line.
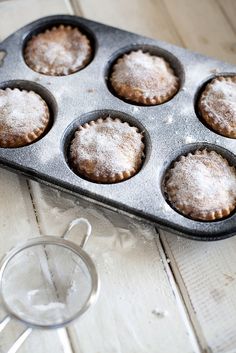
x=149 y=74
x=58 y=51
x=21 y=112
x=107 y=147
x=204 y=182
x=219 y=101
x=189 y=139
x=168 y=119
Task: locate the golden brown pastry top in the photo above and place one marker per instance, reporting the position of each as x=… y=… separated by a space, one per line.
x=144 y=78
x=59 y=51
x=217 y=105
x=202 y=185
x=107 y=150
x=24 y=115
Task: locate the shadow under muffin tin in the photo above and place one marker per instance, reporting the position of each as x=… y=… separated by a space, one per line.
x=170 y=129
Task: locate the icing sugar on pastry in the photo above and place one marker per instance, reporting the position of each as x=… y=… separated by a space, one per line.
x=107 y=150
x=217 y=105
x=24 y=116
x=144 y=78
x=59 y=51
x=202 y=185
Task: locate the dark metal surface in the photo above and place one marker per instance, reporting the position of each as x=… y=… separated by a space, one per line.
x=171 y=129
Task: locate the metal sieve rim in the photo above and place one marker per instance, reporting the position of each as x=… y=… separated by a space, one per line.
x=51 y=240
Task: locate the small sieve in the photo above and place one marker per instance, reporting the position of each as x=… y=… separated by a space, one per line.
x=47 y=282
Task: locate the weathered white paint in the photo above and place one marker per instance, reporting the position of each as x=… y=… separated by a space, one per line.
x=17 y=217
x=137 y=310
x=134 y=284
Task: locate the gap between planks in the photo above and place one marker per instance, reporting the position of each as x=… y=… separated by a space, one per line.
x=176 y=288
x=63 y=333
x=182 y=296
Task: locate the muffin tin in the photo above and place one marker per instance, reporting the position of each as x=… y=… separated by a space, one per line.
x=170 y=129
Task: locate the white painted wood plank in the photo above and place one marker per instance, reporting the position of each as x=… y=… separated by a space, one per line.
x=128 y=19
x=17 y=13
x=206 y=273
x=197 y=24
x=146 y=17
x=201 y=269
x=18 y=223
x=17 y=218
x=228 y=7
x=136 y=307
x=203 y=27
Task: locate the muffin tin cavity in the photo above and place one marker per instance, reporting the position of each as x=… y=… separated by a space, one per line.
x=172 y=60
x=192 y=148
x=197 y=99
x=103 y=114
x=87 y=95
x=51 y=25
x=44 y=93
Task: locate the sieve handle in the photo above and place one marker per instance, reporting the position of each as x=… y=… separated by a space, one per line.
x=74 y=223
x=20 y=340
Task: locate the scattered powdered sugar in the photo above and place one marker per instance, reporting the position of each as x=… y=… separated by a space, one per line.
x=165 y=207
x=168 y=119
x=194 y=73
x=49 y=306
x=189 y=139
x=21 y=112
x=203 y=181
x=108 y=147
x=215 y=70
x=220 y=102
x=135 y=109
x=147 y=73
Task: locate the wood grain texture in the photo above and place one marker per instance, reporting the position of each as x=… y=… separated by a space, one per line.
x=136 y=306
x=17 y=223
x=228 y=7
x=147 y=17
x=17 y=13
x=206 y=273
x=137 y=310
x=17 y=217
x=203 y=27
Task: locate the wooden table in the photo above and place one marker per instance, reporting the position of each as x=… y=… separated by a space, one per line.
x=160 y=293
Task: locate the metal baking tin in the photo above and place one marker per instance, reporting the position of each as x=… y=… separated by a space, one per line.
x=171 y=129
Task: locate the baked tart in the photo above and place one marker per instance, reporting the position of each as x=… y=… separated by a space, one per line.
x=107 y=150
x=202 y=186
x=217 y=105
x=24 y=117
x=143 y=78
x=58 y=51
